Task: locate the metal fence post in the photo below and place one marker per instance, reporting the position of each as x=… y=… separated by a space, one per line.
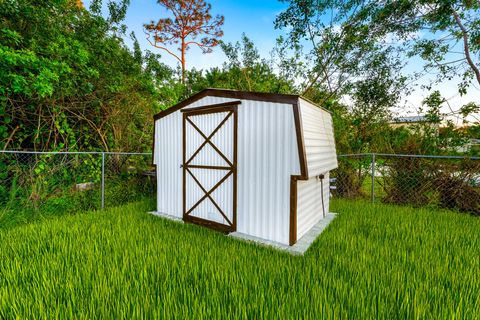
x=373 y=178
x=103 y=180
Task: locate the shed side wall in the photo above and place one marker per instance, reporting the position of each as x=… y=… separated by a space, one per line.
x=319 y=139
x=267 y=157
x=309 y=203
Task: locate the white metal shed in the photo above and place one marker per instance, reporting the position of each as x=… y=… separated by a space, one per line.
x=249 y=162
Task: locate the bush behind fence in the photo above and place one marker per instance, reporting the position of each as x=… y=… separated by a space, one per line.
x=416 y=180
x=73 y=181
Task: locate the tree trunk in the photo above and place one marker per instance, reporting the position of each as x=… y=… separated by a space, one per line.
x=183 y=60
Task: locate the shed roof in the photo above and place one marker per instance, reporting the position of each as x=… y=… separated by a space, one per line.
x=234 y=94
x=256 y=96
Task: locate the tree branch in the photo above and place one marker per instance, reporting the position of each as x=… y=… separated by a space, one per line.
x=466 y=46
x=10 y=137
x=154 y=44
x=195 y=42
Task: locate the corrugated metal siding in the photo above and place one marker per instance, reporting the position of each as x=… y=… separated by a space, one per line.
x=309 y=203
x=267 y=157
x=168 y=157
x=318 y=138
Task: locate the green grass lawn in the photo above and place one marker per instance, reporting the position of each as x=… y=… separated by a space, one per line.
x=384 y=262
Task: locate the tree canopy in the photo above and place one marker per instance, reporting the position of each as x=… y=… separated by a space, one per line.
x=344 y=36
x=192 y=19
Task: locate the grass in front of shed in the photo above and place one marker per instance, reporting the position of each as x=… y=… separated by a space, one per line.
x=372 y=262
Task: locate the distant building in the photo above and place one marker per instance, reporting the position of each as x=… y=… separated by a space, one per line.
x=411 y=121
x=472 y=144
x=475 y=142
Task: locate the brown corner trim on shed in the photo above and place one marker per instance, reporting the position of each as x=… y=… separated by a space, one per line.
x=153 y=145
x=303 y=172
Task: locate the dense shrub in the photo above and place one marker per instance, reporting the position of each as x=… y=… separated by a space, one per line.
x=459 y=186
x=350 y=176
x=407 y=181
x=68 y=81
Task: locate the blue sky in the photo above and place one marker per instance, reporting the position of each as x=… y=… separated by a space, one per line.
x=256 y=18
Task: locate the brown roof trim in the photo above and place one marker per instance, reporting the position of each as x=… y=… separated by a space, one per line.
x=224 y=93
x=249 y=95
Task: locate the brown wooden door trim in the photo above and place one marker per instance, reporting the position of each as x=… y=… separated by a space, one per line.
x=230 y=169
x=212 y=107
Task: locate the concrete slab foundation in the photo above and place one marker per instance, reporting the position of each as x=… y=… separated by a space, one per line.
x=302 y=244
x=166 y=216
x=298 y=248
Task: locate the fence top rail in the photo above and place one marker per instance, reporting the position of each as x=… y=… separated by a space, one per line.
x=409 y=156
x=355 y=155
x=149 y=153
x=74 y=152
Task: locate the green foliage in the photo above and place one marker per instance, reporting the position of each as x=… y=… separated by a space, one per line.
x=350 y=177
x=123 y=263
x=411 y=180
x=452 y=44
x=68 y=81
x=436 y=135
x=442 y=32
x=245 y=70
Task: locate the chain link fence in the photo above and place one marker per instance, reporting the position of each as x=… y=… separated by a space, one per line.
x=449 y=182
x=73 y=181
x=52 y=182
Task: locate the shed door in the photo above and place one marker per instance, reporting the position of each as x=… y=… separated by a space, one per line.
x=210 y=166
